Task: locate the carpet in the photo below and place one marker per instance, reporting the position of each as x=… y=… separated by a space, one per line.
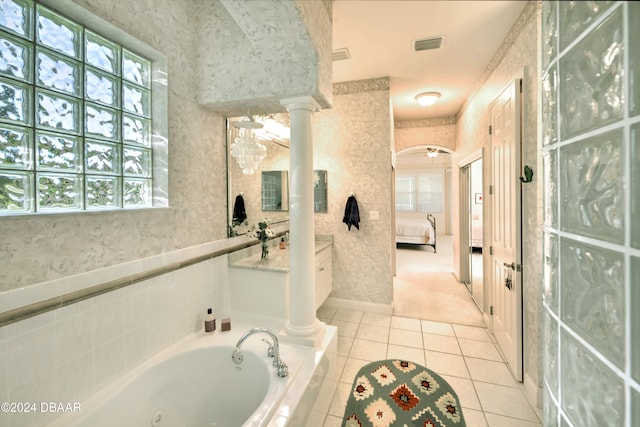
x=401 y=393
x=434 y=296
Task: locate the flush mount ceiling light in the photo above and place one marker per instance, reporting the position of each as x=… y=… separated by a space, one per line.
x=246 y=149
x=427 y=98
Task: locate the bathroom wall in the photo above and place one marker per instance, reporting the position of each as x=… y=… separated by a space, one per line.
x=414 y=133
x=516 y=58
x=590 y=142
x=65 y=355
x=39 y=248
x=352 y=141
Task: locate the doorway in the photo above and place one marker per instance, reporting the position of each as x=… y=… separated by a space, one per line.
x=471 y=230
x=425 y=286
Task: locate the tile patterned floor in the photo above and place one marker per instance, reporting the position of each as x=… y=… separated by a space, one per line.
x=465 y=356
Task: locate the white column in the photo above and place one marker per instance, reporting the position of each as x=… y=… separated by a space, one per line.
x=302 y=271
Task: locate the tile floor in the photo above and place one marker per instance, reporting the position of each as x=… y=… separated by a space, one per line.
x=464 y=356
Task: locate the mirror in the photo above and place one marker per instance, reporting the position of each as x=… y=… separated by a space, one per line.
x=275 y=191
x=248 y=191
x=320 y=191
x=249 y=186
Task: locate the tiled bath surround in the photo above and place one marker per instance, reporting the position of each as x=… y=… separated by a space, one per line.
x=590 y=119
x=67 y=354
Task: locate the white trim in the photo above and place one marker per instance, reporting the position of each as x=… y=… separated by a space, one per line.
x=487 y=319
x=470 y=158
x=533 y=393
x=354 y=305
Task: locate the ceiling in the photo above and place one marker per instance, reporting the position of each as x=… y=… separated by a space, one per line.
x=379 y=35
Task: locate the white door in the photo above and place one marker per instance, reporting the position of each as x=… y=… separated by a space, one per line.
x=505 y=235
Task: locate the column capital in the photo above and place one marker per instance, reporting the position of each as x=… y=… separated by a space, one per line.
x=300 y=103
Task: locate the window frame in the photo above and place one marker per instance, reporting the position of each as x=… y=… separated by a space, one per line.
x=414 y=195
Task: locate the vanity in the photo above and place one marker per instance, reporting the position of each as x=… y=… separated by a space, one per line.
x=262 y=286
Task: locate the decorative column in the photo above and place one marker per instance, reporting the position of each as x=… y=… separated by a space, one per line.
x=302 y=287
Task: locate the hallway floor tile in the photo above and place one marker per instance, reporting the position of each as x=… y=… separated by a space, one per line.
x=463 y=355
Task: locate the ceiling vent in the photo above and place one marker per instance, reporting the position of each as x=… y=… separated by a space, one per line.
x=428 y=44
x=340 y=54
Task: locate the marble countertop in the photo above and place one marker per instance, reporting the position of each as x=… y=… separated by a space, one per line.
x=278 y=258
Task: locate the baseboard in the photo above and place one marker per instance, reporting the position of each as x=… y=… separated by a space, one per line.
x=533 y=393
x=349 y=304
x=486 y=317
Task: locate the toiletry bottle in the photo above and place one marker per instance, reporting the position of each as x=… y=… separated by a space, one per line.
x=209 y=322
x=283 y=245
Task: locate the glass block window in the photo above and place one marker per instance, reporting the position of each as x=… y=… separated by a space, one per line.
x=419 y=192
x=75 y=116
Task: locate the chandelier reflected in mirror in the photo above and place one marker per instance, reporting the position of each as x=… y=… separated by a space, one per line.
x=246 y=149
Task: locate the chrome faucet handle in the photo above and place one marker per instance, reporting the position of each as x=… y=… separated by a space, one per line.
x=283 y=369
x=270 y=352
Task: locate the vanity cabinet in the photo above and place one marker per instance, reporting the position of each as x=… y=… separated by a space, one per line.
x=324 y=282
x=262 y=286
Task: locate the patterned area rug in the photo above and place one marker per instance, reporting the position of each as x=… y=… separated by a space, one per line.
x=400 y=393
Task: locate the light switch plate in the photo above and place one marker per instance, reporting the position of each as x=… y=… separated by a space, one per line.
x=374 y=215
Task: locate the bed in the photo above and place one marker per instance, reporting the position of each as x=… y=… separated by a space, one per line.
x=417 y=231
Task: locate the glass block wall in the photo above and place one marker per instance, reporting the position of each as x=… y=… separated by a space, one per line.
x=591 y=150
x=75 y=116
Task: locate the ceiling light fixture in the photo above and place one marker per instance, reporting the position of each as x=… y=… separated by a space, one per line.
x=246 y=149
x=433 y=153
x=427 y=98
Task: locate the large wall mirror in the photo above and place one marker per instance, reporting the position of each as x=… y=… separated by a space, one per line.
x=264 y=192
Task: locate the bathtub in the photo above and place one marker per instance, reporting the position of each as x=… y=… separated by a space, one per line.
x=195 y=383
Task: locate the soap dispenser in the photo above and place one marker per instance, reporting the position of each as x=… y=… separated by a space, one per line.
x=209 y=322
x=283 y=245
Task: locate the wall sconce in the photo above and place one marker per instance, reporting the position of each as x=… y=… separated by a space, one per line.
x=427 y=98
x=246 y=149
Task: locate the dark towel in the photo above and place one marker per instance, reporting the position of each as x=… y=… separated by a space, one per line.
x=239 y=214
x=351 y=213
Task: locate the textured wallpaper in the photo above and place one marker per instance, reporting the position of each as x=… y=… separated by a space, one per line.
x=352 y=142
x=44 y=247
x=441 y=135
x=262 y=53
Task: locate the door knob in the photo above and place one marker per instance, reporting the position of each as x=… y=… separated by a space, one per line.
x=511 y=266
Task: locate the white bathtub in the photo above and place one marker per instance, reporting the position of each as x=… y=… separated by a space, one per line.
x=195 y=384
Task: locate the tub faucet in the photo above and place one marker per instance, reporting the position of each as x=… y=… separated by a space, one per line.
x=274 y=350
